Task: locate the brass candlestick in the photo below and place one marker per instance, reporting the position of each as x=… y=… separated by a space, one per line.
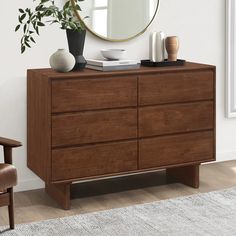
x=172 y=47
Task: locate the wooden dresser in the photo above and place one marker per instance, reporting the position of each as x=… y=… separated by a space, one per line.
x=90 y=124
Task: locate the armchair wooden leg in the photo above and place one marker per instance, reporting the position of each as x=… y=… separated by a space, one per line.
x=11 y=208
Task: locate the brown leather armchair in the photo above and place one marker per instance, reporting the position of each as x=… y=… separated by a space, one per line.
x=8 y=177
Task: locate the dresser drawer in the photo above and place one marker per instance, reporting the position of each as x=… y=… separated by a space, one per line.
x=176 y=149
x=93 y=127
x=89 y=94
x=87 y=161
x=166 y=119
x=176 y=87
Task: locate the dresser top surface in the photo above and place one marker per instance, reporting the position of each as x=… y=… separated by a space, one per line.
x=189 y=66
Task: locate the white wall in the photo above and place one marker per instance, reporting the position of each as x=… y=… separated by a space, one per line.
x=200 y=24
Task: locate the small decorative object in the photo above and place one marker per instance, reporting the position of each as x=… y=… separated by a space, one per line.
x=112 y=65
x=172 y=47
x=157 y=47
x=46 y=12
x=152 y=47
x=62 y=61
x=113 y=54
x=76 y=46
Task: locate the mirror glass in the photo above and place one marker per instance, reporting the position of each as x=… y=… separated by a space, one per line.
x=117 y=20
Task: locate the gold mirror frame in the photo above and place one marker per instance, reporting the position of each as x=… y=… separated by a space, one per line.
x=114 y=40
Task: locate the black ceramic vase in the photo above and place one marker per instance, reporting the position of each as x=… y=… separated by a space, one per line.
x=76 y=47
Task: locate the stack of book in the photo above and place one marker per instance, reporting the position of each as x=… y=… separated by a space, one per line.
x=106 y=65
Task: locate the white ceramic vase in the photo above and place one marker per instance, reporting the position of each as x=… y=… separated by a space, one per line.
x=62 y=61
x=157 y=47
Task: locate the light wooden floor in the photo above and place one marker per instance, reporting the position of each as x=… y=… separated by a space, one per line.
x=107 y=194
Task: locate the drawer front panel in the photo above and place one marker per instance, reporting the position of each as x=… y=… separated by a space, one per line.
x=176 y=149
x=176 y=87
x=93 y=127
x=89 y=94
x=165 y=119
x=88 y=161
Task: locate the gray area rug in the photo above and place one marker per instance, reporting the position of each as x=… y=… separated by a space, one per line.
x=205 y=214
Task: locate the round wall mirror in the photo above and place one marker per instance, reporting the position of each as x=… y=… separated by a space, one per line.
x=117 y=20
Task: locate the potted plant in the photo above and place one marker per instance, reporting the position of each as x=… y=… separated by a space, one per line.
x=47 y=13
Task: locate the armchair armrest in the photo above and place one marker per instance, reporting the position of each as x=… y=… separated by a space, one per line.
x=9 y=143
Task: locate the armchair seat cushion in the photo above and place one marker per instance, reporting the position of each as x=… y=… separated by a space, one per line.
x=8 y=176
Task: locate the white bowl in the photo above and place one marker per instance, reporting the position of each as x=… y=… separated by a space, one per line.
x=113 y=54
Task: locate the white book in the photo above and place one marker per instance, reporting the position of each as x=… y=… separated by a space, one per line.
x=113 y=68
x=100 y=62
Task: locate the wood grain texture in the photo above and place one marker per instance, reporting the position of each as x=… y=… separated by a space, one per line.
x=94 y=127
x=7 y=154
x=176 y=149
x=88 y=73
x=38 y=124
x=74 y=163
x=214 y=102
x=176 y=87
x=9 y=142
x=188 y=175
x=60 y=193
x=167 y=119
x=83 y=114
x=91 y=94
x=11 y=208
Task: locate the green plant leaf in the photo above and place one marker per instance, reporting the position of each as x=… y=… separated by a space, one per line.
x=32 y=39
x=27 y=44
x=48 y=13
x=37 y=17
x=25 y=28
x=77 y=7
x=54 y=21
x=67 y=4
x=72 y=25
x=40 y=24
x=39 y=8
x=37 y=30
x=22 y=17
x=17 y=28
x=22 y=49
x=19 y=19
x=34 y=24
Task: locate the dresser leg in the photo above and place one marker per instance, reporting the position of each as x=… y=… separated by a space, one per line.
x=60 y=193
x=188 y=175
